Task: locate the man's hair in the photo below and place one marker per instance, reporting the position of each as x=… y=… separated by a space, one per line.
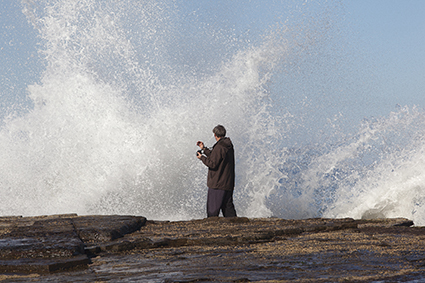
x=219 y=131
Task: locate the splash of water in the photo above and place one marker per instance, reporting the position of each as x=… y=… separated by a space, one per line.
x=389 y=181
x=373 y=173
x=110 y=133
x=116 y=117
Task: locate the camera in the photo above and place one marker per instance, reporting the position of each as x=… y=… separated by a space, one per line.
x=200 y=152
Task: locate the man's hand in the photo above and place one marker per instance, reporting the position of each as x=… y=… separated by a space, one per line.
x=200 y=144
x=198 y=155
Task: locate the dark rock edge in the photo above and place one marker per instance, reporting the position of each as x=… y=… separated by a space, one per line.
x=45 y=244
x=54 y=243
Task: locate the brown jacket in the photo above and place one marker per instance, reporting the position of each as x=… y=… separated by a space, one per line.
x=220 y=161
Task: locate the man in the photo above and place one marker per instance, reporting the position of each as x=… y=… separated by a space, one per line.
x=220 y=161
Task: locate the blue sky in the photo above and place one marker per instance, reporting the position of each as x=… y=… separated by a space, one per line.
x=393 y=34
x=386 y=36
x=18 y=56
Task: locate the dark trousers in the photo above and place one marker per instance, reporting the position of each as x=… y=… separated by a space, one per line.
x=220 y=199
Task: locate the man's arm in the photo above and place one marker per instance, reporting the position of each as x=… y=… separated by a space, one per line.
x=213 y=157
x=207 y=151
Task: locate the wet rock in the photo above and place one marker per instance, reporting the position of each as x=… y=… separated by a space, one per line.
x=40 y=238
x=385 y=222
x=57 y=242
x=27 y=265
x=217 y=231
x=105 y=228
x=130 y=248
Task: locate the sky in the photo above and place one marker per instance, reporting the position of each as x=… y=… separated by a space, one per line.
x=386 y=38
x=18 y=56
x=393 y=34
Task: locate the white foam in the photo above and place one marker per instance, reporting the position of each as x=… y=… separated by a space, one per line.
x=115 y=122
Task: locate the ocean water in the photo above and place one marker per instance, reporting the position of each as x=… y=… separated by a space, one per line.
x=127 y=88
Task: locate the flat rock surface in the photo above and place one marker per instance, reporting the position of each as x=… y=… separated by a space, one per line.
x=53 y=243
x=233 y=250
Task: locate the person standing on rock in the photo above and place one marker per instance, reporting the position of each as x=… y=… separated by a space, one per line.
x=220 y=161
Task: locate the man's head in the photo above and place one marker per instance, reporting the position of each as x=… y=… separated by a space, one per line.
x=219 y=131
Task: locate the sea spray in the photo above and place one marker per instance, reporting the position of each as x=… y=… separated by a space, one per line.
x=388 y=180
x=123 y=99
x=108 y=134
x=373 y=173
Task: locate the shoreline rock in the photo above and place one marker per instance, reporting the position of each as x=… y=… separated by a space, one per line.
x=57 y=242
x=65 y=246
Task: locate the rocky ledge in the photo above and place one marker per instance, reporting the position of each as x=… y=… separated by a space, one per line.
x=132 y=248
x=57 y=242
